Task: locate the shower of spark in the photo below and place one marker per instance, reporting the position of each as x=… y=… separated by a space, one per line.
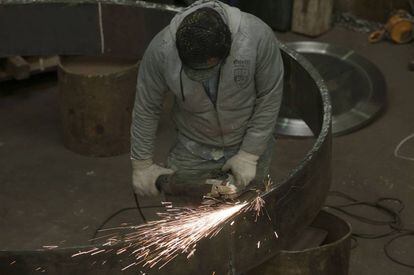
x=257 y=205
x=177 y=232
x=163 y=240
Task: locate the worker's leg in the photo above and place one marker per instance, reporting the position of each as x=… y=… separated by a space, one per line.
x=191 y=168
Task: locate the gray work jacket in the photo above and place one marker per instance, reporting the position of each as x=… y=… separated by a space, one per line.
x=249 y=90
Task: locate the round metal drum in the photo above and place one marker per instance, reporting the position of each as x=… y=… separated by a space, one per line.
x=356 y=86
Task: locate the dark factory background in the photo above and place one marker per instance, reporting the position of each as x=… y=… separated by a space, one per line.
x=341 y=196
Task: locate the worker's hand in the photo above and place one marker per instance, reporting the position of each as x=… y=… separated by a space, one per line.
x=243 y=166
x=144 y=176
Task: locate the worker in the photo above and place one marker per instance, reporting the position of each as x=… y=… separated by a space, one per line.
x=225 y=70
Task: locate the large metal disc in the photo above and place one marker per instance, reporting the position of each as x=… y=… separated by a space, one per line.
x=356 y=86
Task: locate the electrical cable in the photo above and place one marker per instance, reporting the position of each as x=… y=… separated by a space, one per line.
x=108 y=219
x=112 y=216
x=395 y=223
x=388 y=254
x=139 y=208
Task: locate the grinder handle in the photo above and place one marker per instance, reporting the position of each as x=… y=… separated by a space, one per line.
x=163 y=182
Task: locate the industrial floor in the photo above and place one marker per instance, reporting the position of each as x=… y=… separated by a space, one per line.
x=52 y=196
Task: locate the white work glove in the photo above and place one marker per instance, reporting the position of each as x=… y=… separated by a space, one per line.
x=243 y=166
x=144 y=176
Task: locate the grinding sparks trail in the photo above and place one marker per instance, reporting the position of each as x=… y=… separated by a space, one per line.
x=163 y=240
x=177 y=232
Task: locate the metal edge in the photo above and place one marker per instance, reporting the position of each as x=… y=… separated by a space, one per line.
x=134 y=3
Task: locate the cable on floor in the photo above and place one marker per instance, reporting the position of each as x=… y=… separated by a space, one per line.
x=112 y=216
x=395 y=223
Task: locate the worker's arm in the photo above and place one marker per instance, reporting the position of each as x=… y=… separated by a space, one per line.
x=149 y=98
x=269 y=90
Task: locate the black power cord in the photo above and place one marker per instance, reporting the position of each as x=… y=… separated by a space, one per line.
x=136 y=207
x=100 y=227
x=387 y=251
x=139 y=208
x=395 y=223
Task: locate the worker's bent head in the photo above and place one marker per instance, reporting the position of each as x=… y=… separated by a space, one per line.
x=203 y=42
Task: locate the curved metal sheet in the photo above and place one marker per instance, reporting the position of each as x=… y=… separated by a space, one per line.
x=292 y=204
x=356 y=86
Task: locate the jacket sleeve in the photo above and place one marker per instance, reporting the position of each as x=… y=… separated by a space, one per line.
x=269 y=90
x=149 y=97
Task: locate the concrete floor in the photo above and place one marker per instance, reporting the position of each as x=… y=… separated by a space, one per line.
x=364 y=164
x=51 y=196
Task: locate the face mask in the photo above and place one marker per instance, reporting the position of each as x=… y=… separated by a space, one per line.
x=200 y=75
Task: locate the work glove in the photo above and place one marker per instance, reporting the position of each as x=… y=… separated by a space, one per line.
x=144 y=176
x=243 y=166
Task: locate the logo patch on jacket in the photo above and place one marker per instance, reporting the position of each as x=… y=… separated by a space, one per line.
x=241 y=72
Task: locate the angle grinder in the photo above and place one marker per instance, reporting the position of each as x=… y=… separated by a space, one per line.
x=220 y=187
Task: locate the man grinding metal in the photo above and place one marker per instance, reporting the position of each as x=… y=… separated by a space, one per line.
x=225 y=70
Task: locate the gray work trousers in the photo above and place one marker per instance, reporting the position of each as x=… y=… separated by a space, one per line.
x=192 y=167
